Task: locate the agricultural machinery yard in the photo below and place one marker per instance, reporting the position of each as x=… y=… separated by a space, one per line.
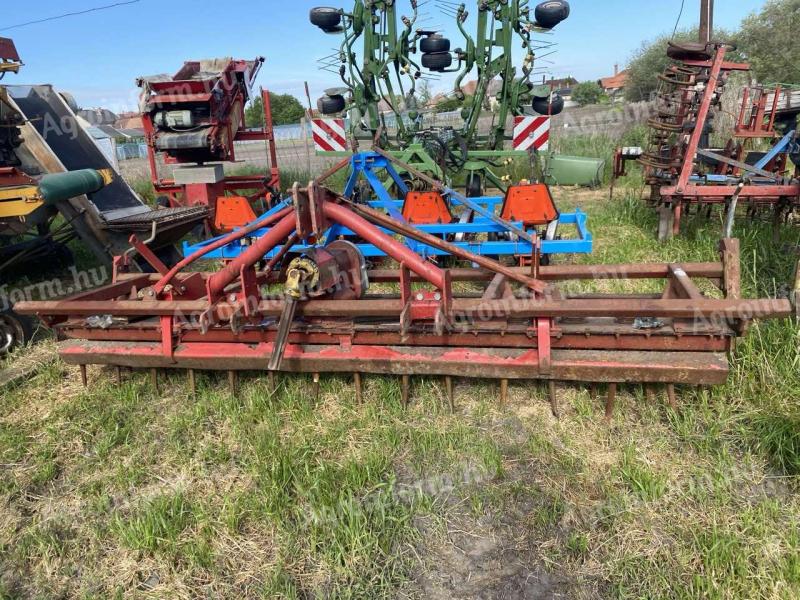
x=533 y=347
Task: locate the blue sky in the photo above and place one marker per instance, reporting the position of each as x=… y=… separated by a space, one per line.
x=97 y=56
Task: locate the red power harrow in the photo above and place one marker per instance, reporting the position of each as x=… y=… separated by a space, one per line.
x=331 y=314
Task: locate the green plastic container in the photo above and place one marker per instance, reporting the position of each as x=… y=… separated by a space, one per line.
x=573 y=170
x=58 y=187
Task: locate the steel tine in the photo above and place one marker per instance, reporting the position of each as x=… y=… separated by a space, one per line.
x=503 y=392
x=233 y=383
x=192 y=383
x=671 y=397
x=118 y=371
x=154 y=379
x=357 y=382
x=611 y=400
x=315 y=386
x=405 y=385
x=84 y=376
x=551 y=386
x=448 y=384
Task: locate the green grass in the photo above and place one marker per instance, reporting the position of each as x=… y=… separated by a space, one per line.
x=118 y=492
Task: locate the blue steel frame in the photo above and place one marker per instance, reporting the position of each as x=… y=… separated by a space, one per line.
x=366 y=165
x=786 y=145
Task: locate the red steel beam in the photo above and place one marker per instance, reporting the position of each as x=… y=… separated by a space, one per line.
x=393 y=248
x=217 y=283
x=224 y=241
x=566 y=365
x=512 y=308
x=611 y=339
x=702 y=117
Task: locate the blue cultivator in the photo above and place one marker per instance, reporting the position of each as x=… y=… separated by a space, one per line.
x=521 y=224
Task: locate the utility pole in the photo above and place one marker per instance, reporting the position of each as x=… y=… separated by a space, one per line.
x=706 y=21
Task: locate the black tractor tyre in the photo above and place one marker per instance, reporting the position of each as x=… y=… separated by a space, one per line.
x=325 y=17
x=434 y=44
x=331 y=105
x=550 y=14
x=546 y=106
x=15 y=331
x=474 y=188
x=437 y=61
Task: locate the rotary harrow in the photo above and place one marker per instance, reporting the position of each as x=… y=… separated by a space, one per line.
x=324 y=311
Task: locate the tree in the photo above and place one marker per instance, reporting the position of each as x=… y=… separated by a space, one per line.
x=648 y=63
x=770 y=41
x=286 y=110
x=588 y=92
x=450 y=104
x=424 y=93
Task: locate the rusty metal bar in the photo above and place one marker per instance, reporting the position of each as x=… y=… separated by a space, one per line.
x=706 y=270
x=704 y=308
x=278 y=233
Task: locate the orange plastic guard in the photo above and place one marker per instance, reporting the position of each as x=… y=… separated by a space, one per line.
x=532 y=204
x=426 y=208
x=232 y=212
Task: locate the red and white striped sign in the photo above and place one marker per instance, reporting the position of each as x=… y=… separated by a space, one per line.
x=531 y=132
x=329 y=135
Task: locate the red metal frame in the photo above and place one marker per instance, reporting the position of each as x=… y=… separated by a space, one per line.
x=670 y=174
x=499 y=322
x=752 y=117
x=225 y=95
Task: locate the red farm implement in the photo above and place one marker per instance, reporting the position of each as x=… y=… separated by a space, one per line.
x=686 y=173
x=333 y=315
x=193 y=121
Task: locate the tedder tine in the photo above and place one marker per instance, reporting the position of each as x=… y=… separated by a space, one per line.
x=118 y=371
x=503 y=392
x=272 y=382
x=405 y=385
x=611 y=400
x=84 y=376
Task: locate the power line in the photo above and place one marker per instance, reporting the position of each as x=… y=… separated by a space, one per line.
x=70 y=14
x=678 y=22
